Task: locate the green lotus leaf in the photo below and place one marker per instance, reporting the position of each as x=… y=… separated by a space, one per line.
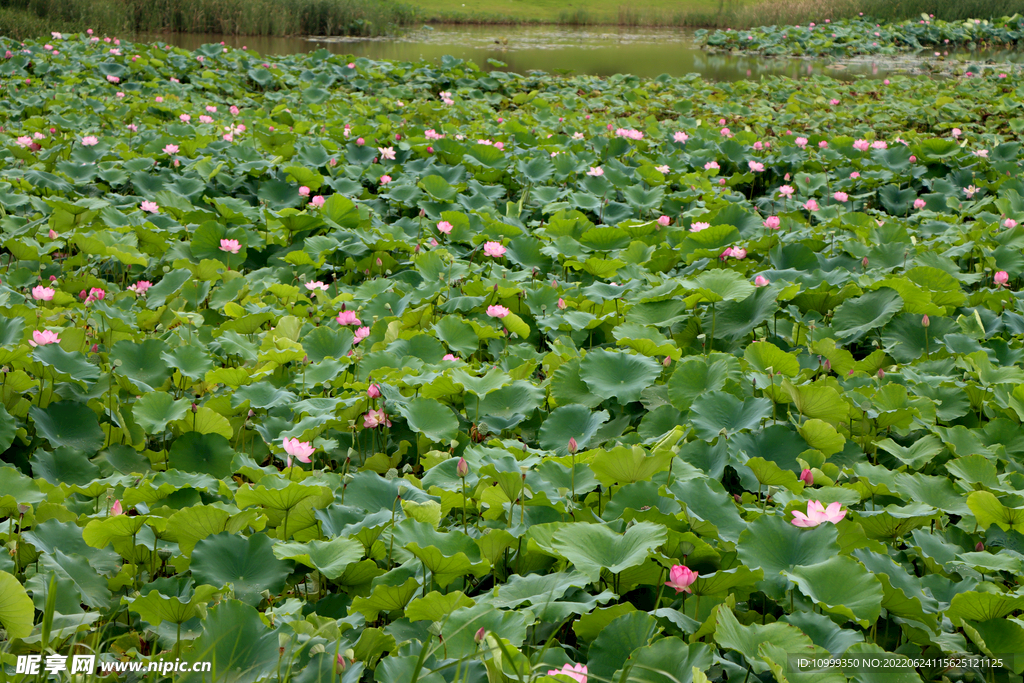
x=766 y=357
x=628 y=465
x=978 y=606
x=385 y=598
x=70 y=424
x=240 y=646
x=156 y=606
x=856 y=317
x=592 y=547
x=717 y=413
x=248 y=564
x=430 y=418
x=722 y=285
x=506 y=407
x=776 y=546
x=205 y=453
x=842 y=586
x=331 y=558
x=436 y=606
x=694 y=377
x=73 y=364
x=669 y=660
x=570 y=422
x=16 y=609
x=622 y=376
x=989 y=510
x=141 y=363
x=617 y=641
x=746 y=640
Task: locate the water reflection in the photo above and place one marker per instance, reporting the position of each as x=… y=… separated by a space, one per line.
x=603 y=52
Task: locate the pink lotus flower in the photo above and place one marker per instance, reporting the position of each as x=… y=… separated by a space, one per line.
x=983 y=153
x=1001 y=278
x=800 y=142
x=822 y=145
x=230 y=246
x=315 y=285
x=807 y=477
x=303 y=191
x=833 y=101
x=861 y=145
x=494 y=249
x=41 y=293
x=772 y=222
x=786 y=190
x=811 y=205
x=445 y=227
x=681 y=578
x=375 y=418
x=318 y=201
x=919 y=203
x=725 y=133
x=171 y=149
x=698 y=226
x=577 y=673
x=755 y=166
x=140 y=287
x=302 y=450
x=373 y=391
x=680 y=136
x=90 y=140
x=841 y=197
x=361 y=334
x=113 y=79
x=116 y=509
x=1009 y=223
x=664 y=220
x=44 y=337
x=739 y=253
x=561 y=304
x=855 y=175
x=879 y=144
x=595 y=171
x=663 y=169
x=956 y=132
x=185 y=118
x=385 y=179
x=817 y=514
x=760 y=281
x=348 y=318
x=450 y=356
x=711 y=166
x=149 y=206
x=387 y=153
x=52 y=234
x=497 y=311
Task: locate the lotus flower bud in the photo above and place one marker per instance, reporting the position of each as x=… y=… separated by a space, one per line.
x=462 y=469
x=195 y=408
x=925 y=322
x=979 y=547
x=881 y=373
x=864 y=262
x=667 y=361
x=807 y=477
x=572 y=444
x=480 y=635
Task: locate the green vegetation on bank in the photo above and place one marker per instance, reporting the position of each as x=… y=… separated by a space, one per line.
x=31 y=18
x=319 y=369
x=25 y=18
x=864 y=36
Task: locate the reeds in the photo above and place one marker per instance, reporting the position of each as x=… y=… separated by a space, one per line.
x=22 y=18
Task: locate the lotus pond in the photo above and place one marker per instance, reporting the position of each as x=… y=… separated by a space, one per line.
x=320 y=368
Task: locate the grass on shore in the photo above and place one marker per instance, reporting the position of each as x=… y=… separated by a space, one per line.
x=30 y=18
